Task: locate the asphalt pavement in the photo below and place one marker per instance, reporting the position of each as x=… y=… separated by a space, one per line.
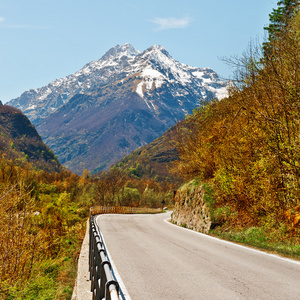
x=158 y=260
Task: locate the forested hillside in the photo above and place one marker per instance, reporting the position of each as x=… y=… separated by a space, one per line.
x=43 y=210
x=20 y=142
x=153 y=161
x=246 y=147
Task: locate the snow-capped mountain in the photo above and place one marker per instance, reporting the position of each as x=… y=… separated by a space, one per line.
x=154 y=69
x=113 y=105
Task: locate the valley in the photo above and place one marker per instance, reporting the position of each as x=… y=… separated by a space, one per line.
x=140 y=129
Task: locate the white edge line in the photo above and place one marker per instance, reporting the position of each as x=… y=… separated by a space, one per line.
x=117 y=275
x=234 y=244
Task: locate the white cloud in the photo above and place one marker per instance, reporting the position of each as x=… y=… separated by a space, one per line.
x=171 y=23
x=1 y=19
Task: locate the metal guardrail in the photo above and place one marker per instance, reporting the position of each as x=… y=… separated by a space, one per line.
x=103 y=285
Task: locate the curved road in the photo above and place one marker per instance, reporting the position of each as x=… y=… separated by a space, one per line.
x=157 y=260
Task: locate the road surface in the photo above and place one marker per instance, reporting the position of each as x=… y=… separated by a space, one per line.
x=157 y=260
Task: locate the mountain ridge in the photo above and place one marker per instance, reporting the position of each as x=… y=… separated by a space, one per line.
x=127 y=97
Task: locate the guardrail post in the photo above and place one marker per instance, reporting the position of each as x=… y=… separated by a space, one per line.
x=103 y=279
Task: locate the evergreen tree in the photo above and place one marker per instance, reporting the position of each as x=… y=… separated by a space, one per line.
x=279 y=20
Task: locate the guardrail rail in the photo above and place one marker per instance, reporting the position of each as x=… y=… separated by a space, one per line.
x=103 y=284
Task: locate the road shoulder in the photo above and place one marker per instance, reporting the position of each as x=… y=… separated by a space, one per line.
x=83 y=284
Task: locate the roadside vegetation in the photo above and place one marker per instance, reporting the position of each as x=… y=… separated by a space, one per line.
x=120 y=188
x=42 y=225
x=43 y=221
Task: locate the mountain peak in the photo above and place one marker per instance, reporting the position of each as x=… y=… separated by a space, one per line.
x=157 y=49
x=126 y=49
x=158 y=54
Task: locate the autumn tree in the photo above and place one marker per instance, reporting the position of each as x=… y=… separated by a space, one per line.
x=247 y=145
x=111 y=183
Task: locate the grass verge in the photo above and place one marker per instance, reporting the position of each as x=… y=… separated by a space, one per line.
x=259 y=238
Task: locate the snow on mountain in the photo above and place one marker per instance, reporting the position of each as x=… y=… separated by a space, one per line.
x=153 y=68
x=163 y=69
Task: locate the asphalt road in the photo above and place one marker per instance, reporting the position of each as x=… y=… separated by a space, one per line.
x=157 y=260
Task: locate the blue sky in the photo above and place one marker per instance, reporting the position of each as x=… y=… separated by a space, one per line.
x=42 y=40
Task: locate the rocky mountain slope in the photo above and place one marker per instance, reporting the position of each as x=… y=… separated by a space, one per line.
x=116 y=104
x=20 y=142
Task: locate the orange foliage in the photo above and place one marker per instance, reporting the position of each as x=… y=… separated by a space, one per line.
x=247 y=145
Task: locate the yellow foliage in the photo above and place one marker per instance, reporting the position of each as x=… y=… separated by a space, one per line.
x=39 y=221
x=248 y=144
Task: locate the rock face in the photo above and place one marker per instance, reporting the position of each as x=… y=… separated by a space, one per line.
x=190 y=209
x=112 y=106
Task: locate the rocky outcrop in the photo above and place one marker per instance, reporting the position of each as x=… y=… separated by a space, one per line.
x=191 y=211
